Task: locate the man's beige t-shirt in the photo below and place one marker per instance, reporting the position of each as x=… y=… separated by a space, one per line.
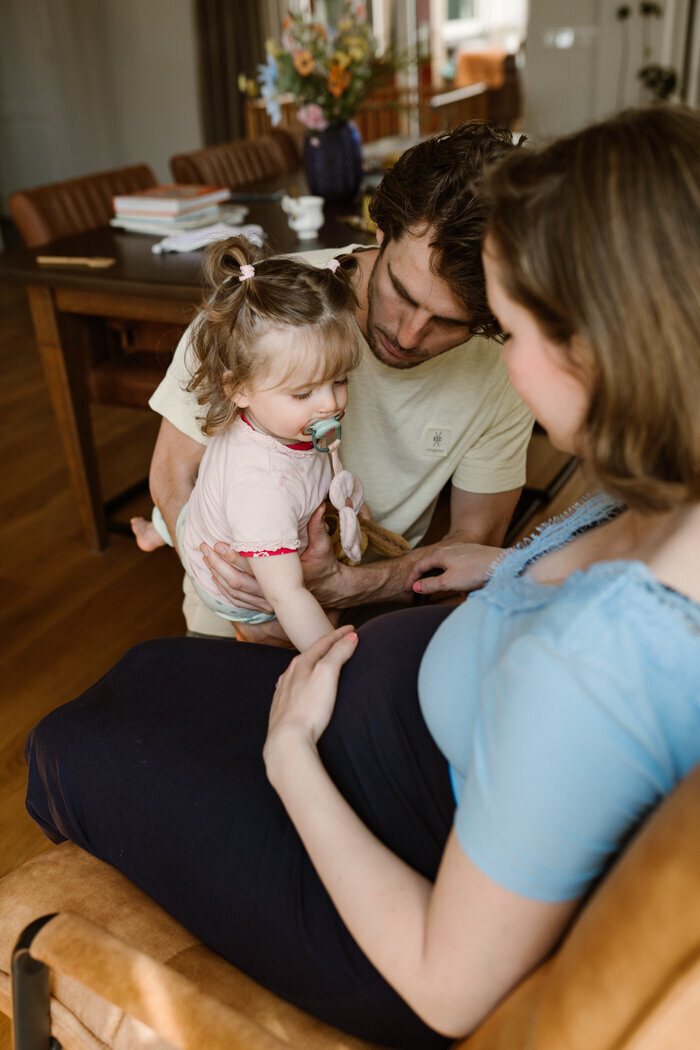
x=406 y=432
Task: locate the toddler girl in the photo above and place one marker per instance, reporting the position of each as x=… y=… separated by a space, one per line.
x=273 y=345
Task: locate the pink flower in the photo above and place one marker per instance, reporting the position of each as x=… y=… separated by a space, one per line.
x=312 y=116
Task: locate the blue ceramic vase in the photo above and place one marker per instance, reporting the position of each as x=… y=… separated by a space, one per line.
x=333 y=162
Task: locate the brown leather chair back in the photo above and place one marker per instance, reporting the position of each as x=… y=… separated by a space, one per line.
x=45 y=213
x=125 y=362
x=235 y=163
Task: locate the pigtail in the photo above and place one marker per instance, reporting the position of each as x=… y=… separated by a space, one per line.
x=222 y=264
x=217 y=365
x=248 y=292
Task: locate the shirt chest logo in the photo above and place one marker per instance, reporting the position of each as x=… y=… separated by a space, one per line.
x=436 y=441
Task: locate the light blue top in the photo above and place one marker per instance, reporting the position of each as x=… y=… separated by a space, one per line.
x=566 y=712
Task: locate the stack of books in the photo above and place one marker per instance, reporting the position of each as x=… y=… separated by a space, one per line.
x=169 y=209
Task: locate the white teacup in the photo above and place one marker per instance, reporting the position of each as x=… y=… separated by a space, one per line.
x=305 y=215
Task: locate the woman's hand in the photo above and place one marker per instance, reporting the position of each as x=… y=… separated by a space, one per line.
x=305 y=696
x=465 y=567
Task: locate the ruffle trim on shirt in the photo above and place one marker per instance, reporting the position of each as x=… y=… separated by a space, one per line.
x=592 y=509
x=267 y=553
x=509 y=586
x=265 y=548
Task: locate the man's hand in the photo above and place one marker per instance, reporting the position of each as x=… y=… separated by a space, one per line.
x=464 y=566
x=233 y=577
x=322 y=570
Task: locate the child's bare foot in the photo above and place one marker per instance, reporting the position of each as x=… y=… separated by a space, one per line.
x=146 y=534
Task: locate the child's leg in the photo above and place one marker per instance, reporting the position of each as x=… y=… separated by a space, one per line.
x=151 y=534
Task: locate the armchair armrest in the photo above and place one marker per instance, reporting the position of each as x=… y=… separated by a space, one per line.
x=170 y=1004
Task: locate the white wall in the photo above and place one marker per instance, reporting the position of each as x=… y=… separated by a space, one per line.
x=92 y=84
x=582 y=62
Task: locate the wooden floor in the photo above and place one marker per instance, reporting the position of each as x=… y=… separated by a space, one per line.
x=67 y=615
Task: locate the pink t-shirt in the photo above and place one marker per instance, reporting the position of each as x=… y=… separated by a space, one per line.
x=255 y=494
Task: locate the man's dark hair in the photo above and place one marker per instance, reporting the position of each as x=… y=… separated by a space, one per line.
x=434 y=185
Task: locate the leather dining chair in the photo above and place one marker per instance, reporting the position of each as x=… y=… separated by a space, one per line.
x=626 y=976
x=125 y=361
x=242 y=161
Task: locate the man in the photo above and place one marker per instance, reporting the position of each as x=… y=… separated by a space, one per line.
x=430 y=403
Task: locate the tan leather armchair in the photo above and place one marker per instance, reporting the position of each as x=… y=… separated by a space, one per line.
x=625 y=977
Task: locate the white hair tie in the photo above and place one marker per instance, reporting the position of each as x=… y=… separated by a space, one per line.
x=332 y=265
x=247 y=270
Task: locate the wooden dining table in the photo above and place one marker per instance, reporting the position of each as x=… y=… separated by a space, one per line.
x=67 y=302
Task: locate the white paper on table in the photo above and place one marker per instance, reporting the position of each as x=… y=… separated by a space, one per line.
x=191 y=240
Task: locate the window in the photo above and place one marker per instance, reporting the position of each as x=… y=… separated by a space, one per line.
x=461 y=9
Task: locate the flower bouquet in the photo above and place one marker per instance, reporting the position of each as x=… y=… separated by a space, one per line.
x=329 y=72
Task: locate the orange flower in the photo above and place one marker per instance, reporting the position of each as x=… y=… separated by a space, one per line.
x=304 y=62
x=287 y=22
x=338 y=80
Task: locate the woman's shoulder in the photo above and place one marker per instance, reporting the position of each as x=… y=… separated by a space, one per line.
x=676 y=560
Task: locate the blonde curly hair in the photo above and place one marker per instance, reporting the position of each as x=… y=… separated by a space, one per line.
x=317 y=304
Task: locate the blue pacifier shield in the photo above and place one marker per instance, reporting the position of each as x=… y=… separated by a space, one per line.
x=324 y=429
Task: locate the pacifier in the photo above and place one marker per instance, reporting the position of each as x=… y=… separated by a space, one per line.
x=345 y=490
x=322 y=428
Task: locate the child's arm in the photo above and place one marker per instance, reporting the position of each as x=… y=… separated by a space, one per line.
x=282 y=581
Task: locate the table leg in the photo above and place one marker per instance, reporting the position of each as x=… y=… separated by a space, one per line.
x=60 y=339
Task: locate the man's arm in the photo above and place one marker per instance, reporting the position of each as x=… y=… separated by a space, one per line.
x=478 y=519
x=174 y=467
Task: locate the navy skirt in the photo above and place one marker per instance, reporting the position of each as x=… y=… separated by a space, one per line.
x=157 y=769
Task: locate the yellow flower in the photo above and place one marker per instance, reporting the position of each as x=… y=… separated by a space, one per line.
x=345 y=25
x=341 y=59
x=356 y=43
x=338 y=80
x=304 y=62
x=247 y=86
x=272 y=47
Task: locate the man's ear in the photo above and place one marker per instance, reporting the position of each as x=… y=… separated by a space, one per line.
x=379 y=234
